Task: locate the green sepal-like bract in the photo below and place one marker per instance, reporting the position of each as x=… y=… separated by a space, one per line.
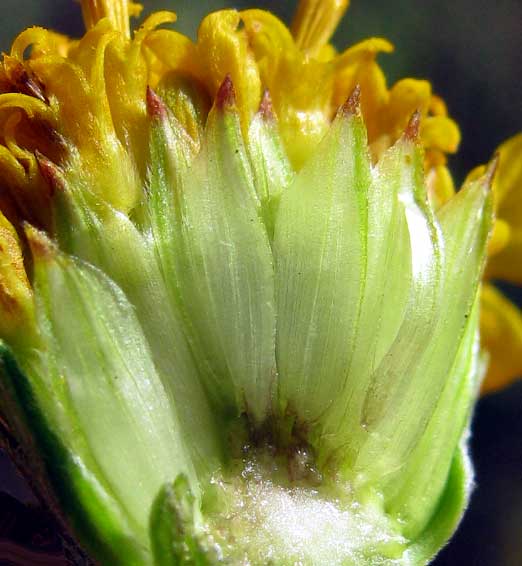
x=252 y=344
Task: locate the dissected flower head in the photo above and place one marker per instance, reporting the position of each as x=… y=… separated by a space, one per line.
x=239 y=293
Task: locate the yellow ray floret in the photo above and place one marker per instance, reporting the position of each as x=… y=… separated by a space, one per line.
x=501 y=336
x=117 y=12
x=315 y=22
x=501 y=321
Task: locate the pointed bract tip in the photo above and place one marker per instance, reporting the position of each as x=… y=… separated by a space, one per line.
x=491 y=170
x=413 y=128
x=266 y=109
x=353 y=103
x=35 y=90
x=50 y=172
x=23 y=81
x=156 y=108
x=40 y=244
x=226 y=95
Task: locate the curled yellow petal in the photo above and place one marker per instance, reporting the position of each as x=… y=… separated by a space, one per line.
x=501 y=336
x=42 y=42
x=223 y=49
x=11 y=171
x=31 y=106
x=358 y=66
x=315 y=22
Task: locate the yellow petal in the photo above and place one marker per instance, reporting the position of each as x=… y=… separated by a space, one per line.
x=507 y=188
x=303 y=110
x=440 y=132
x=327 y=53
x=440 y=185
x=42 y=42
x=222 y=50
x=167 y=51
x=508 y=177
x=358 y=66
x=437 y=106
x=499 y=238
x=507 y=263
x=406 y=97
x=16 y=298
x=501 y=336
x=315 y=22
x=117 y=12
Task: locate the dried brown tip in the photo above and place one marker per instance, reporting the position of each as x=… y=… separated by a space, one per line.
x=353 y=103
x=226 y=95
x=50 y=172
x=266 y=109
x=155 y=106
x=413 y=128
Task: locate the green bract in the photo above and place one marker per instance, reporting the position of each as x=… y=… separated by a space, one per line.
x=255 y=365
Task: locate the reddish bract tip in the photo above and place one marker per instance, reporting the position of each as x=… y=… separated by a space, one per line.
x=155 y=106
x=50 y=172
x=412 y=129
x=226 y=95
x=266 y=109
x=353 y=103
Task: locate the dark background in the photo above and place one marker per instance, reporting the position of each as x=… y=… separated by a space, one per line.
x=471 y=50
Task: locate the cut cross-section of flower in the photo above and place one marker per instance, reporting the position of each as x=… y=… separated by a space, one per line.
x=239 y=312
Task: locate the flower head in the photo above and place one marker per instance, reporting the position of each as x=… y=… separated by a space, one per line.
x=239 y=295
